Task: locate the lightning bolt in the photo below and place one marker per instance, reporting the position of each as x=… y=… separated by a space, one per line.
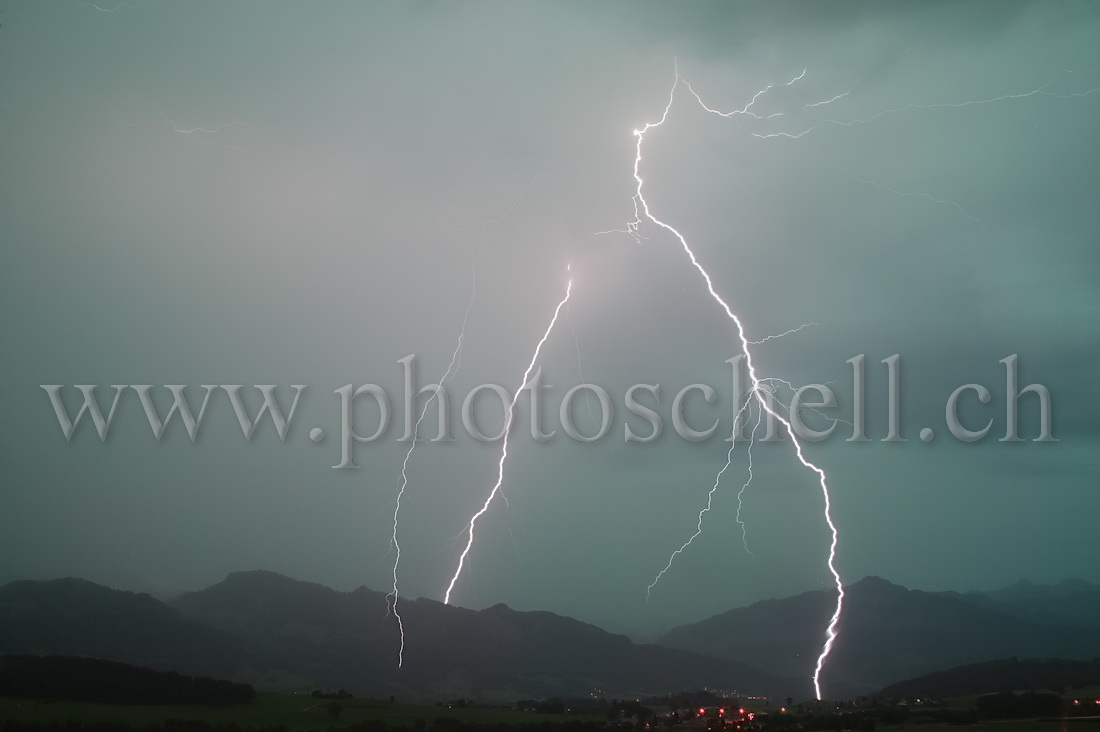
x=710 y=504
x=837 y=98
x=745 y=485
x=1037 y=91
x=580 y=374
x=792 y=331
x=759 y=386
x=452 y=370
x=509 y=412
x=746 y=110
x=519 y=199
x=756 y=384
x=906 y=194
x=642 y=209
x=450 y=373
x=116 y=8
x=793 y=388
x=200 y=133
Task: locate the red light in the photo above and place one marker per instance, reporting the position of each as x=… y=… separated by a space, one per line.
x=741 y=710
x=782 y=709
x=722 y=710
x=751 y=716
x=702 y=711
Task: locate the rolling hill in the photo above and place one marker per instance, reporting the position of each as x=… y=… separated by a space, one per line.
x=79 y=618
x=992 y=677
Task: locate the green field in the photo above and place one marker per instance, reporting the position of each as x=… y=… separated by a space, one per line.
x=293 y=711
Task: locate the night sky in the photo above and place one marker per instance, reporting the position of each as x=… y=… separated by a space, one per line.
x=291 y=193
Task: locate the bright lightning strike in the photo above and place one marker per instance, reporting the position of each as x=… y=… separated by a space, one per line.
x=450 y=373
x=508 y=415
x=639 y=196
x=642 y=209
x=744 y=110
x=759 y=387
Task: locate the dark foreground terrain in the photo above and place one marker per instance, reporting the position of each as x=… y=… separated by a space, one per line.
x=283 y=635
x=297 y=713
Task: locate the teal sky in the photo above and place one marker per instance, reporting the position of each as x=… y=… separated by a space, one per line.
x=369 y=158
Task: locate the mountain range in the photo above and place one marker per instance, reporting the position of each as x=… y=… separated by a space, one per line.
x=888 y=633
x=283 y=634
x=279 y=633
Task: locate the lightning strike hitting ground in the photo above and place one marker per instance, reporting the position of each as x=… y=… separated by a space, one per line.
x=758 y=397
x=508 y=415
x=452 y=370
x=759 y=385
x=639 y=196
x=450 y=373
x=633 y=228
